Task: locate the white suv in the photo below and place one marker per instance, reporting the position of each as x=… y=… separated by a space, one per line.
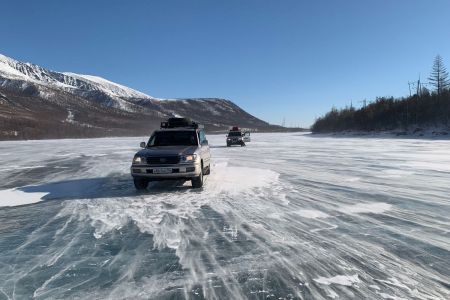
x=177 y=151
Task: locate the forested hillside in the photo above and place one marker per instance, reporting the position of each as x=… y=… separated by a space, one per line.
x=424 y=109
x=411 y=113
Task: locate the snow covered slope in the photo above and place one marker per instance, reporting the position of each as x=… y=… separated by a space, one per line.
x=80 y=85
x=114 y=89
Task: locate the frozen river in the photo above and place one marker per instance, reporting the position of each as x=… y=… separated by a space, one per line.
x=288 y=216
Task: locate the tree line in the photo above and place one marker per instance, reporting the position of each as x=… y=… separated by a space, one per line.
x=423 y=109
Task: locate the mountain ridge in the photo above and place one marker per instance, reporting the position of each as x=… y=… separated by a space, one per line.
x=34 y=100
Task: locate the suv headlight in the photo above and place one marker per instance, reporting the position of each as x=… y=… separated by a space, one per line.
x=189 y=158
x=138 y=160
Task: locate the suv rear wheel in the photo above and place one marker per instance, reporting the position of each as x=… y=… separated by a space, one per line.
x=140 y=184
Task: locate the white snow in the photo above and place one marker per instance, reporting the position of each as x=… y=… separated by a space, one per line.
x=15 y=197
x=235 y=180
x=7 y=70
x=13 y=69
x=223 y=181
x=366 y=208
x=70 y=117
x=346 y=280
x=109 y=87
x=311 y=214
x=387 y=296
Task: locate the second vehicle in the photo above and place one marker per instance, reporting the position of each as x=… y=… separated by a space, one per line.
x=235 y=137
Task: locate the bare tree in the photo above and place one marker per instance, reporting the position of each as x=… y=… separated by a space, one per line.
x=439 y=75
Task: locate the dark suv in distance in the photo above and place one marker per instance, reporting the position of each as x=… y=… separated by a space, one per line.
x=235 y=137
x=177 y=151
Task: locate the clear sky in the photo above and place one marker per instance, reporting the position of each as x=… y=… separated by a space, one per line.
x=280 y=58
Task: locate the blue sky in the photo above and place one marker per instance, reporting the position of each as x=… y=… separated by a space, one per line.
x=277 y=59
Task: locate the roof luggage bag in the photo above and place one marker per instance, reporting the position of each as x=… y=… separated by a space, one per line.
x=180 y=122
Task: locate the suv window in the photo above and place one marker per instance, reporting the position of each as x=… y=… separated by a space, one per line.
x=235 y=133
x=201 y=136
x=173 y=138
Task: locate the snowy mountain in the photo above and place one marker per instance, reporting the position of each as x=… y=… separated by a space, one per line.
x=37 y=103
x=80 y=85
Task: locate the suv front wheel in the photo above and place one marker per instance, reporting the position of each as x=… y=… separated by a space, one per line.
x=197 y=182
x=140 y=184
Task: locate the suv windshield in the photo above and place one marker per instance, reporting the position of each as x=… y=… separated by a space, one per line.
x=173 y=138
x=235 y=133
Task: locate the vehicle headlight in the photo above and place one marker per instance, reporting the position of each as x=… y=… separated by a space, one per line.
x=138 y=160
x=189 y=158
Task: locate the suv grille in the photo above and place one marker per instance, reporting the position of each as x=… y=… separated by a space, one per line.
x=163 y=160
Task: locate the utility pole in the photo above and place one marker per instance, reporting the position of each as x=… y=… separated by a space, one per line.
x=419 y=88
x=407 y=115
x=364 y=102
x=419 y=95
x=409 y=86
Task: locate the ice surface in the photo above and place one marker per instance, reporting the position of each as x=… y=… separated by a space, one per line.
x=288 y=216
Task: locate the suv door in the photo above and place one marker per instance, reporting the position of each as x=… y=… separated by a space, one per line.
x=246 y=136
x=204 y=148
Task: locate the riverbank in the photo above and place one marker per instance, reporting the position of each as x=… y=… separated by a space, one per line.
x=424 y=133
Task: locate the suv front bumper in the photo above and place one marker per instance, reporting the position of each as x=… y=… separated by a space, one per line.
x=171 y=172
x=235 y=142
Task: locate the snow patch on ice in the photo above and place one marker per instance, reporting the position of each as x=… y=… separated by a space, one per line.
x=14 y=197
x=311 y=214
x=15 y=168
x=387 y=296
x=332 y=294
x=394 y=174
x=163 y=216
x=347 y=280
x=233 y=180
x=366 y=208
x=275 y=215
x=353 y=179
x=332 y=227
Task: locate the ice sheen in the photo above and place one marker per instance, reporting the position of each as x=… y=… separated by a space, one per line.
x=276 y=219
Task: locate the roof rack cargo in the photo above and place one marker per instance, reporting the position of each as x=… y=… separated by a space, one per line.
x=180 y=122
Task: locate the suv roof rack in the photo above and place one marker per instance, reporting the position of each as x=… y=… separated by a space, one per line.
x=180 y=122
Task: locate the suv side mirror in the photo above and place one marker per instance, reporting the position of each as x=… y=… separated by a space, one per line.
x=205 y=142
x=142 y=145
